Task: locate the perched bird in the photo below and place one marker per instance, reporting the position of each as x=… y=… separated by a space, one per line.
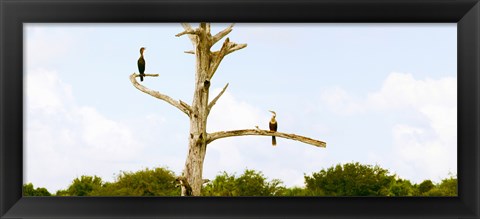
x=141 y=64
x=273 y=127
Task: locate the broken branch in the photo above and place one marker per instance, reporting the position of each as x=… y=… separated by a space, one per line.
x=187 y=26
x=224 y=134
x=207 y=28
x=210 y=105
x=222 y=34
x=236 y=47
x=187 y=32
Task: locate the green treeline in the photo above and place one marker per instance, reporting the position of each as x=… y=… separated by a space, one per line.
x=351 y=179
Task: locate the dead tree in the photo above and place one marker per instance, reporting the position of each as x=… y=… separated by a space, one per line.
x=206 y=64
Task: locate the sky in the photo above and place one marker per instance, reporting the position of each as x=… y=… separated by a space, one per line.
x=378 y=94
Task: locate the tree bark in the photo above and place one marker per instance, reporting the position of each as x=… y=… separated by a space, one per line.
x=197 y=147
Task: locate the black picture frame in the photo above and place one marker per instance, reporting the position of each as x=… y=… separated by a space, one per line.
x=13 y=13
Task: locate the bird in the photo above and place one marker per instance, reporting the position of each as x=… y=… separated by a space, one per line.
x=141 y=64
x=273 y=127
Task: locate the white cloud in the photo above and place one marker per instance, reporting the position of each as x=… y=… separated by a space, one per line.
x=419 y=157
x=64 y=140
x=103 y=138
x=421 y=150
x=398 y=91
x=230 y=113
x=401 y=90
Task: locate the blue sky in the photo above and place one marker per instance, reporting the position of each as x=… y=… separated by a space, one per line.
x=376 y=93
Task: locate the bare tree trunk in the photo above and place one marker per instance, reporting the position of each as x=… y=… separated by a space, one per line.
x=198 y=121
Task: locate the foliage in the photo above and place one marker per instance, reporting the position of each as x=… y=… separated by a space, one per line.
x=250 y=183
x=355 y=179
x=296 y=191
x=402 y=187
x=29 y=190
x=448 y=187
x=351 y=179
x=82 y=186
x=222 y=185
x=425 y=187
x=148 y=182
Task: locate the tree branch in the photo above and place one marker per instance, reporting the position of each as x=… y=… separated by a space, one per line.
x=234 y=47
x=179 y=104
x=222 y=34
x=224 y=134
x=210 y=105
x=146 y=75
x=217 y=56
x=194 y=32
x=188 y=28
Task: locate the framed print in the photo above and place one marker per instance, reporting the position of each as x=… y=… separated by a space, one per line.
x=372 y=109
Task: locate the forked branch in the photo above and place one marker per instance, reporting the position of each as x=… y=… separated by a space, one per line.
x=224 y=134
x=187 y=109
x=188 y=29
x=203 y=32
x=217 y=56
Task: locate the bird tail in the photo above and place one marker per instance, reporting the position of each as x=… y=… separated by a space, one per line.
x=274 y=141
x=141 y=77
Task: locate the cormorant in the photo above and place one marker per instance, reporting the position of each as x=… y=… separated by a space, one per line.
x=141 y=64
x=273 y=127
